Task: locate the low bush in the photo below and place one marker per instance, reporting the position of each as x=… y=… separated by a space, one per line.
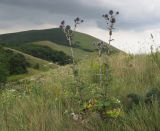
x=152 y=95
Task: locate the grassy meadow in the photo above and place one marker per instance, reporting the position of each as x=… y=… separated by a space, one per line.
x=46 y=100
x=59 y=79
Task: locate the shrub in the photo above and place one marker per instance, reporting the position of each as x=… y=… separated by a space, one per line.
x=152 y=95
x=109 y=108
x=3 y=74
x=11 y=63
x=46 y=53
x=131 y=100
x=17 y=64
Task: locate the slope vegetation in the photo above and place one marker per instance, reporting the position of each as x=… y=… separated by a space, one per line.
x=81 y=41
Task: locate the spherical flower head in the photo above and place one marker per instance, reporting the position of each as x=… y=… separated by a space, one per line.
x=77 y=19
x=106 y=15
x=102 y=43
x=99 y=44
x=82 y=21
x=63 y=22
x=111 y=12
x=68 y=27
x=61 y=26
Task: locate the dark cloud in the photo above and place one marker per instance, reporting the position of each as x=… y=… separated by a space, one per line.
x=30 y=12
x=68 y=7
x=133 y=24
x=36 y=12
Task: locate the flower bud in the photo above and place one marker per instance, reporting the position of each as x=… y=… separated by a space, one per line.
x=68 y=27
x=63 y=22
x=111 y=12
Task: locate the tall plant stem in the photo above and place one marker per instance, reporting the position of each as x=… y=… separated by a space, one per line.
x=109 y=43
x=72 y=52
x=108 y=52
x=100 y=70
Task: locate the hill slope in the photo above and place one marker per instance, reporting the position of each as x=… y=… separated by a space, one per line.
x=44 y=65
x=33 y=65
x=79 y=52
x=81 y=41
x=49 y=45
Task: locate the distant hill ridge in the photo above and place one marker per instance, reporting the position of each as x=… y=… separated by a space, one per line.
x=55 y=35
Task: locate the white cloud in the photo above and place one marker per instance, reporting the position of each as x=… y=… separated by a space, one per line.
x=129 y=41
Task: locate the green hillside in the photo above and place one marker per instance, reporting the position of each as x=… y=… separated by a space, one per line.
x=79 y=52
x=33 y=65
x=81 y=40
x=42 y=48
x=54 y=35
x=44 y=65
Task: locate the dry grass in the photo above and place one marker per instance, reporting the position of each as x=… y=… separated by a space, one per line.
x=40 y=102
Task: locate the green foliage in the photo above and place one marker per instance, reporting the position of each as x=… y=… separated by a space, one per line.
x=11 y=63
x=3 y=67
x=156 y=58
x=108 y=108
x=81 y=41
x=3 y=74
x=54 y=35
x=17 y=64
x=46 y=101
x=142 y=118
x=46 y=53
x=152 y=95
x=95 y=73
x=131 y=100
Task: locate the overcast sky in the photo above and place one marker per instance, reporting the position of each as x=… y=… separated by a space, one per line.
x=137 y=19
